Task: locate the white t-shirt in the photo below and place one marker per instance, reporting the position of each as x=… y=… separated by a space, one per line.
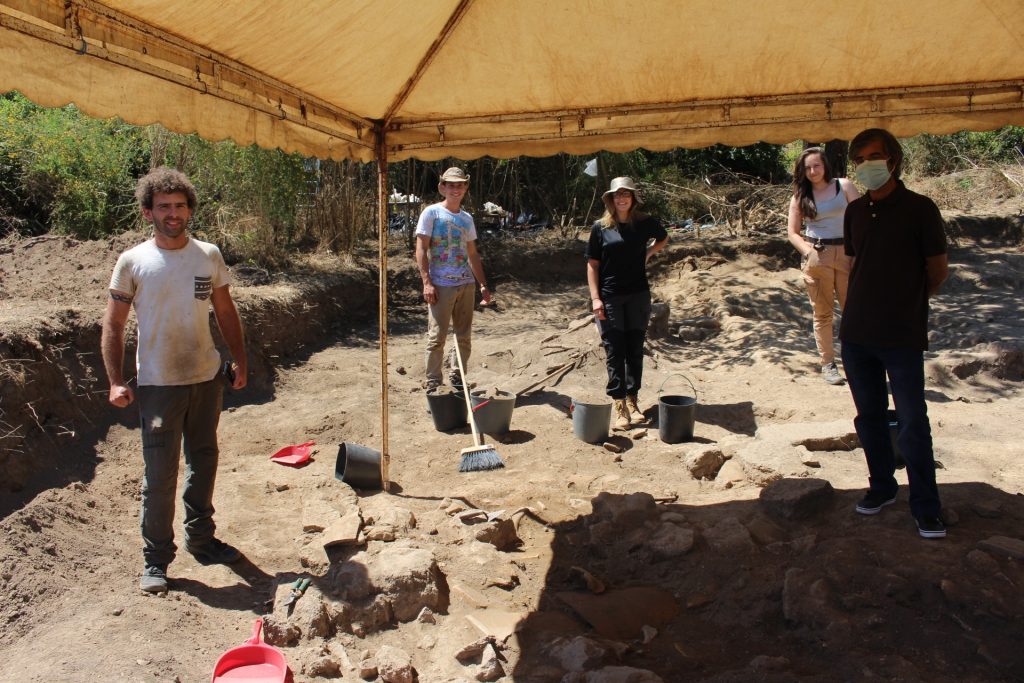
x=449 y=233
x=171 y=294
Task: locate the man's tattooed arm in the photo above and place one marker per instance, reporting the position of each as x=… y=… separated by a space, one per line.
x=123 y=298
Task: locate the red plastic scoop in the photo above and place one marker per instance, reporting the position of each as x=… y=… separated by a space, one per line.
x=254 y=662
x=294 y=455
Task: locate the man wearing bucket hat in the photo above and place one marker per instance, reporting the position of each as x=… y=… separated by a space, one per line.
x=173 y=281
x=898 y=245
x=621 y=242
x=449 y=267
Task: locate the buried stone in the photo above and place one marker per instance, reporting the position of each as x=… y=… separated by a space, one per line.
x=796 y=498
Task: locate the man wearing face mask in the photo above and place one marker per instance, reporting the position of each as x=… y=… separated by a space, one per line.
x=898 y=246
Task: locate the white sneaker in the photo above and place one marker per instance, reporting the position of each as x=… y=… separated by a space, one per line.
x=831 y=374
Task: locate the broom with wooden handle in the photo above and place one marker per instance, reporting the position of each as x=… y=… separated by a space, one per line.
x=480 y=456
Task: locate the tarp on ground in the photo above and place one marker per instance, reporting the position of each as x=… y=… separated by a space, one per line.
x=467 y=78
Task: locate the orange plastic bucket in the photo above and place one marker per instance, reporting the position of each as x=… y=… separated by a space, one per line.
x=254 y=662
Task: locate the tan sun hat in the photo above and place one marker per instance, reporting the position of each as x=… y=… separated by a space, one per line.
x=621 y=183
x=454 y=175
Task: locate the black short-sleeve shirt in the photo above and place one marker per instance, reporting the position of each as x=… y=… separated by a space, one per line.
x=887 y=298
x=622 y=251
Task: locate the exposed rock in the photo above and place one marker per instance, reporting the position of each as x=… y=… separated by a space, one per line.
x=705 y=463
x=579 y=653
x=808 y=600
x=796 y=498
x=764 y=531
x=670 y=541
x=624 y=511
x=367 y=669
x=658 y=326
x=395 y=665
x=496 y=624
x=1004 y=546
x=982 y=562
x=731 y=474
x=474 y=650
x=729 y=536
x=344 y=531
x=501 y=533
x=426 y=616
x=490 y=665
x=324 y=667
x=280 y=632
x=989 y=509
x=393 y=585
x=326 y=504
x=621 y=614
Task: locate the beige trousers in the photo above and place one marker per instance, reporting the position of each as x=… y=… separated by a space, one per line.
x=454 y=307
x=827 y=275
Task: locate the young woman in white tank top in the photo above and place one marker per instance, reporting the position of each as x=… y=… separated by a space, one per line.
x=818 y=204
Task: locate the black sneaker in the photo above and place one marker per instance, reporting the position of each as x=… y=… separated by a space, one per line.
x=154 y=578
x=931 y=527
x=873 y=502
x=214 y=551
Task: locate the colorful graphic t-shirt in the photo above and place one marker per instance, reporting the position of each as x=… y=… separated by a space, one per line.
x=449 y=233
x=171 y=291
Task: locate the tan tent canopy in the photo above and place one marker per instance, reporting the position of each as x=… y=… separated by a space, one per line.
x=467 y=78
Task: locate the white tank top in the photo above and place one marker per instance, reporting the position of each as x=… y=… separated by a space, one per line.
x=828 y=224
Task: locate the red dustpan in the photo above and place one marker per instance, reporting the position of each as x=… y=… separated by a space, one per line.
x=294 y=455
x=254 y=662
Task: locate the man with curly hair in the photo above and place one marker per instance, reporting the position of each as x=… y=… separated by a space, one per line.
x=172 y=281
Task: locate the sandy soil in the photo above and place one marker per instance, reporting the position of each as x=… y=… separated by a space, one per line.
x=730 y=585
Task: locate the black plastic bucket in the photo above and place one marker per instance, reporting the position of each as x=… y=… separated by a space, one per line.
x=590 y=421
x=358 y=466
x=676 y=414
x=447 y=409
x=493 y=414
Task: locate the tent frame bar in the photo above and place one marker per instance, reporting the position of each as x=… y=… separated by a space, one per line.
x=826 y=98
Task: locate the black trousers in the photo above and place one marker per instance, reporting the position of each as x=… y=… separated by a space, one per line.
x=623 y=334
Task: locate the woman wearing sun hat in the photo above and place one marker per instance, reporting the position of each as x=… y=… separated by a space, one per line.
x=621 y=242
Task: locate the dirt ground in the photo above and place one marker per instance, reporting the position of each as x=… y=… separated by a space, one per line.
x=732 y=557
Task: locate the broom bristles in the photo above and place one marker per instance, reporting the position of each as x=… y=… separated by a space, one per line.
x=479 y=458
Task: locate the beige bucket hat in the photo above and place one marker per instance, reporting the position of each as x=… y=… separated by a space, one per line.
x=621 y=183
x=454 y=175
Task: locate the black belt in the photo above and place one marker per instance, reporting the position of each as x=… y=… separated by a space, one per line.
x=832 y=241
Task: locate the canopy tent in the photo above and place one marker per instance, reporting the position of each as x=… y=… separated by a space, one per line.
x=394 y=79
x=467 y=78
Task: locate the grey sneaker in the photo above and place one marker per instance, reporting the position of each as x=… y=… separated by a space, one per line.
x=154 y=578
x=831 y=374
x=214 y=551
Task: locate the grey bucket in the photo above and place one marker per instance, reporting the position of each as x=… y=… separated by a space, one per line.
x=358 y=466
x=590 y=421
x=493 y=414
x=676 y=414
x=447 y=409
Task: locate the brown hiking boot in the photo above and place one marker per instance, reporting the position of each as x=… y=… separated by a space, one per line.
x=622 y=421
x=636 y=416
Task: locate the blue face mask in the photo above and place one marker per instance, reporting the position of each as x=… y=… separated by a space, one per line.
x=873 y=174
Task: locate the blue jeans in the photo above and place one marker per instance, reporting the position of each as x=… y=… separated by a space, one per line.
x=866 y=369
x=623 y=334
x=172 y=415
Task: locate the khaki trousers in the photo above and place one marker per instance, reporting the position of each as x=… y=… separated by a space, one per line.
x=826 y=274
x=454 y=307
